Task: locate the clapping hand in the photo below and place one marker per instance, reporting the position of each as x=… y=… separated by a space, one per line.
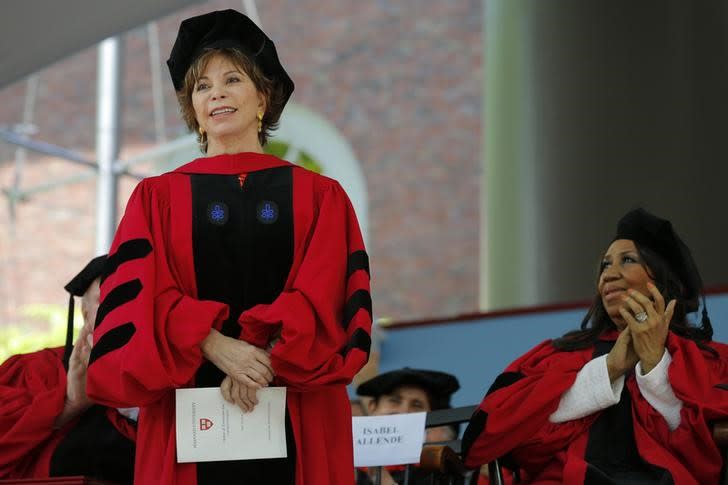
x=648 y=321
x=622 y=358
x=77 y=400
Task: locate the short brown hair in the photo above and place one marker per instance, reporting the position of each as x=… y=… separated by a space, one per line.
x=274 y=93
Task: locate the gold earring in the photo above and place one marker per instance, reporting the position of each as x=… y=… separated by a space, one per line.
x=203 y=139
x=260 y=121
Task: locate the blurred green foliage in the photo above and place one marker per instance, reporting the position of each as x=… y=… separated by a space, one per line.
x=276 y=148
x=48 y=329
x=280 y=149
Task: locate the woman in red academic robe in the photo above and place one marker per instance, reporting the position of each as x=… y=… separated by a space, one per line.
x=630 y=397
x=238 y=270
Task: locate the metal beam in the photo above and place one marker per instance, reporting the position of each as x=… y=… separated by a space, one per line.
x=107 y=140
x=45 y=148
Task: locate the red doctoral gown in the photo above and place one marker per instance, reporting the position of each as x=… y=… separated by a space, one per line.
x=32 y=393
x=513 y=419
x=261 y=250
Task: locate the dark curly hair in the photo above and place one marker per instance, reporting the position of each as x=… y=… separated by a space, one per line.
x=274 y=93
x=597 y=321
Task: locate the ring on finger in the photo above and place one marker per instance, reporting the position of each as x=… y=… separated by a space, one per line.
x=641 y=317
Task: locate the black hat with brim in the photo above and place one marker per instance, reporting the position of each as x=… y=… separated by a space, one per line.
x=438 y=385
x=225 y=29
x=77 y=287
x=650 y=231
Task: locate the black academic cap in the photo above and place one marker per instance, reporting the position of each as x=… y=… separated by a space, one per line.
x=439 y=385
x=80 y=283
x=658 y=235
x=77 y=287
x=219 y=30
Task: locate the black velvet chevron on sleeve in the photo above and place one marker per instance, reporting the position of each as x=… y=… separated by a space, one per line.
x=357 y=260
x=504 y=380
x=122 y=294
x=112 y=340
x=127 y=251
x=475 y=428
x=359 y=340
x=480 y=418
x=360 y=299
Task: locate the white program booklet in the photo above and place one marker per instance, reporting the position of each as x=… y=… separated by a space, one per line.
x=212 y=429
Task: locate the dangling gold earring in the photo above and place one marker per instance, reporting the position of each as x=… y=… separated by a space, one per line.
x=203 y=137
x=260 y=121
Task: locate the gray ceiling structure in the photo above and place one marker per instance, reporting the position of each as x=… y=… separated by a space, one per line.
x=37 y=33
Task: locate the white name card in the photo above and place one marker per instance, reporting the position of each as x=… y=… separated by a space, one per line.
x=212 y=429
x=388 y=440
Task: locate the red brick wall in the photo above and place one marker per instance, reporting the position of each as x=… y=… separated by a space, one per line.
x=400 y=80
